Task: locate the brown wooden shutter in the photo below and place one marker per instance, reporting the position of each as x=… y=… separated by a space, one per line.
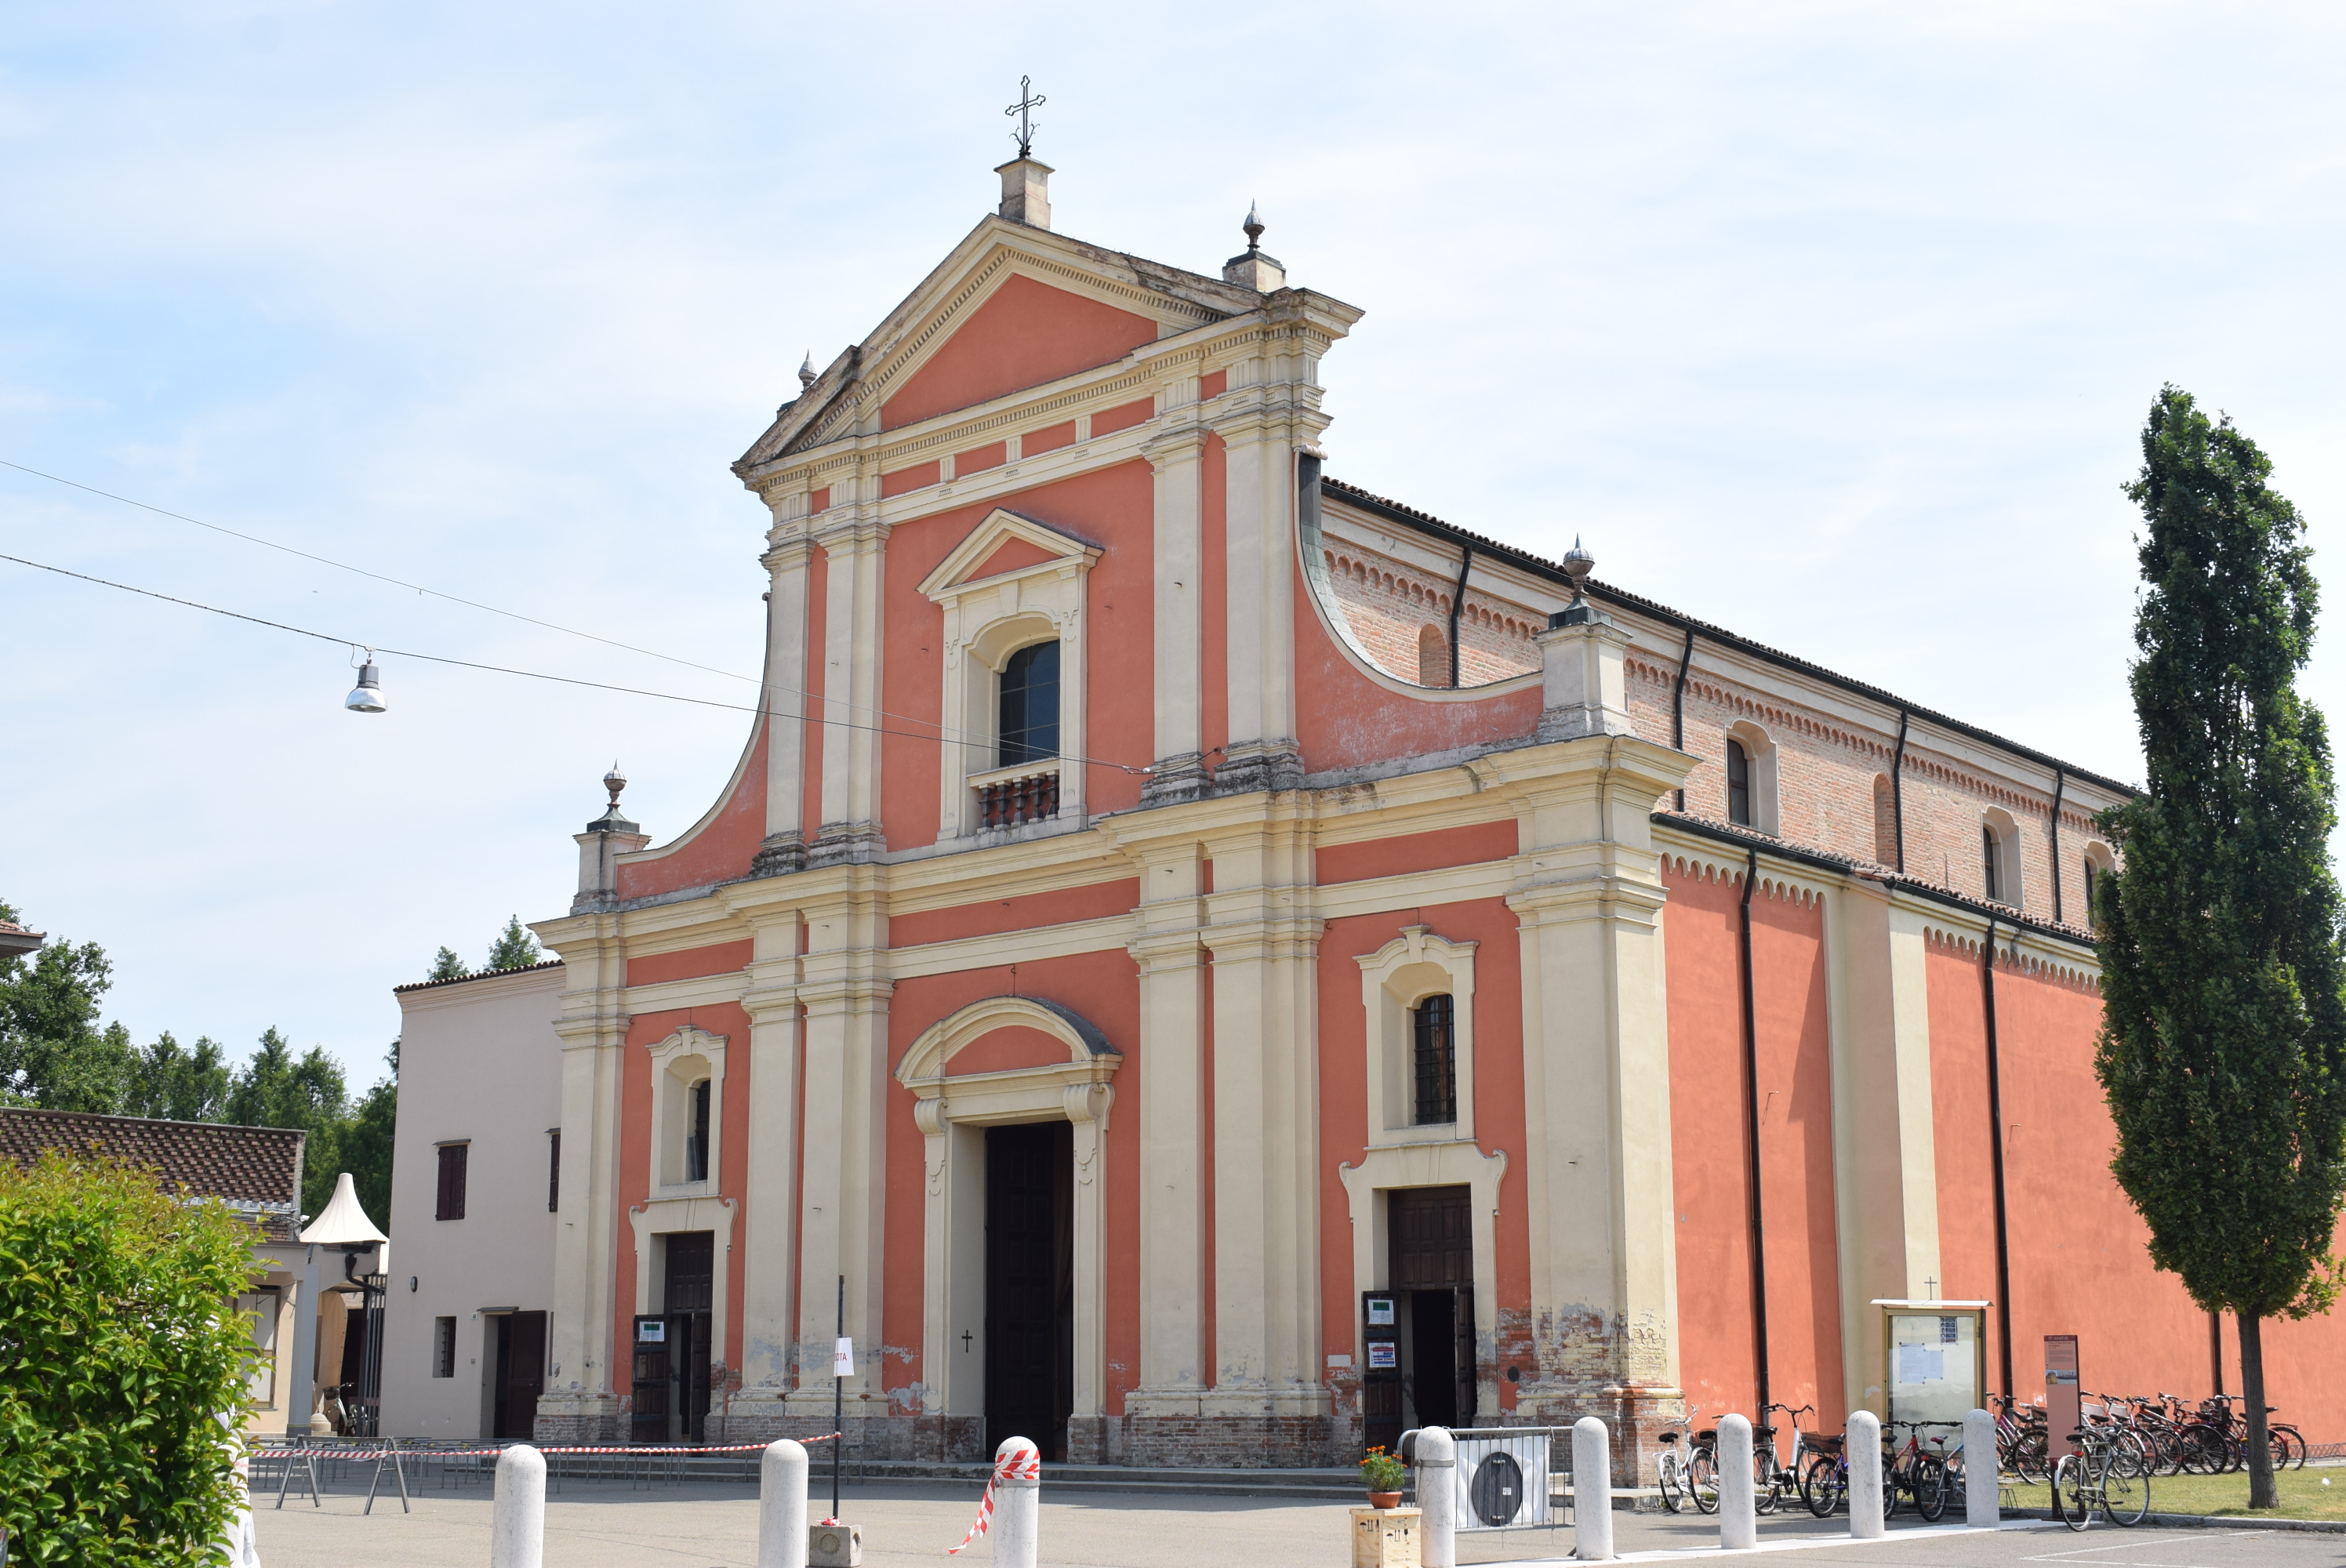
x=452 y=1180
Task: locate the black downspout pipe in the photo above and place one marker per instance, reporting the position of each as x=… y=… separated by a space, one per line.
x=1458 y=607
x=1897 y=794
x=1995 y=1115
x=1751 y=1141
x=2060 y=788
x=1677 y=705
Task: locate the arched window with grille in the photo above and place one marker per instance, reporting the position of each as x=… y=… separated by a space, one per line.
x=1029 y=727
x=1433 y=1025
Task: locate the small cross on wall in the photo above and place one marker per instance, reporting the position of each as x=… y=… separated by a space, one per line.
x=1930 y=1288
x=964 y=1342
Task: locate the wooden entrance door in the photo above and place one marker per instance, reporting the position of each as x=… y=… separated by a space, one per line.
x=520 y=1374
x=1431 y=1232
x=1030 y=1294
x=691 y=1297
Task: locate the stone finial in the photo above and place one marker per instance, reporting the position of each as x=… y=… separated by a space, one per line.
x=615 y=781
x=1254 y=270
x=607 y=838
x=806 y=371
x=1026 y=192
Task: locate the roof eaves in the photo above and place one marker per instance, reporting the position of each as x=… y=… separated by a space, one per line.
x=483 y=974
x=1394 y=511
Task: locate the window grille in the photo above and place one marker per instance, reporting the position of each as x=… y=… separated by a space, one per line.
x=1987 y=854
x=452 y=1181
x=1030 y=705
x=443 y=1347
x=1433 y=1023
x=1739 y=784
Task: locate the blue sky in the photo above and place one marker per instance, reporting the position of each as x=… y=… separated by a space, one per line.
x=1832 y=323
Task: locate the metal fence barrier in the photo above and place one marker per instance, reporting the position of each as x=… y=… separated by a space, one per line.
x=1508 y=1478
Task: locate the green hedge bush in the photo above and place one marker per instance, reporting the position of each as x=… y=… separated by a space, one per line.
x=121 y=1348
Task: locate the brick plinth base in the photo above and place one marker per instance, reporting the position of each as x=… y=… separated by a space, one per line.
x=1243 y=1442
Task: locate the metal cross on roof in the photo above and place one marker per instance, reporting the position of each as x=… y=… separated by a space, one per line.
x=1028 y=100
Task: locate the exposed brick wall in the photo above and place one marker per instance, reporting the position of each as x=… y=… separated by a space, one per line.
x=1388 y=604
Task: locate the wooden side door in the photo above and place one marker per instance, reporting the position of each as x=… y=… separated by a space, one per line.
x=524 y=1374
x=650 y=1404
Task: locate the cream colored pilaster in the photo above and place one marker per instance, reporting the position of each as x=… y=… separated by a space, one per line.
x=1265 y=945
x=1596 y=1152
x=1173 y=1262
x=854 y=548
x=1259 y=568
x=845 y=994
x=582 y=1392
x=1086 y=1105
x=953 y=1246
x=1885 y=1147
x=784 y=848
x=769 y=1221
x=1177 y=456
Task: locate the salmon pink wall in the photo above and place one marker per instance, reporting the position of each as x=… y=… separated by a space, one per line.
x=1111 y=508
x=1104 y=987
x=1025 y=334
x=633 y=1178
x=1009 y=556
x=1025 y=911
x=721 y=850
x=1717 y=1363
x=1498 y=1117
x=1344 y=718
x=721 y=958
x=1000 y=1049
x=1417 y=852
x=1124 y=416
x=1050 y=438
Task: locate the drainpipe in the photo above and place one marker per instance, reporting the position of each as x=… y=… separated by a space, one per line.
x=1898 y=793
x=2060 y=785
x=1458 y=607
x=1677 y=705
x=1995 y=1117
x=1751 y=1141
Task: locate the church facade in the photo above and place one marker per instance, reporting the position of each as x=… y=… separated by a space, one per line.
x=1201 y=962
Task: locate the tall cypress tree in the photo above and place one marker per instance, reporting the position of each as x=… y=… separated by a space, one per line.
x=2223 y=1050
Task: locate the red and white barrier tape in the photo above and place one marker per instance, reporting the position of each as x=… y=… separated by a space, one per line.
x=479 y=1453
x=1022 y=1464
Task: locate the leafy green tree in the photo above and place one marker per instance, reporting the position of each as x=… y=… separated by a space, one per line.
x=514 y=947
x=179 y=1085
x=275 y=1089
x=2223 y=1050
x=53 y=1052
x=122 y=1350
x=446 y=965
x=366 y=1143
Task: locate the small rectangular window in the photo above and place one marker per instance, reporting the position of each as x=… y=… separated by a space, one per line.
x=1987 y=855
x=452 y=1181
x=1739 y=784
x=261 y=1306
x=1433 y=1024
x=443 y=1347
x=554 y=1171
x=696 y=1143
x=2093 y=891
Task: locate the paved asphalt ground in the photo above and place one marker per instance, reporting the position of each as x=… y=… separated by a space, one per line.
x=714 y=1525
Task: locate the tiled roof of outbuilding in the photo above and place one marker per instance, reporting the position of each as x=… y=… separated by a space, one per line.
x=253 y=1168
x=483 y=974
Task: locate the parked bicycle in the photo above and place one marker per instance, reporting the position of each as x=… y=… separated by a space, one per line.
x=1670 y=1471
x=2104 y=1474
x=1914 y=1474
x=1774 y=1483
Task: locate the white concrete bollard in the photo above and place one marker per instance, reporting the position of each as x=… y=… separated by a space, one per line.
x=1863 y=1447
x=518 y=1517
x=1017 y=1507
x=1435 y=1459
x=783 y=1506
x=1739 y=1514
x=1982 y=1510
x=1592 y=1490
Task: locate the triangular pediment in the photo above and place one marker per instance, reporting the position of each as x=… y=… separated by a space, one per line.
x=1066 y=279
x=1004 y=544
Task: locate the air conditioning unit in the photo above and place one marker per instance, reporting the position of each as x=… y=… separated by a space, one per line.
x=1504 y=1480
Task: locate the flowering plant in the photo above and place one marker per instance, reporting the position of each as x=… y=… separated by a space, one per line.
x=1384 y=1472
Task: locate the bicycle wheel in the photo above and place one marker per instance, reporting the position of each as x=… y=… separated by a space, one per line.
x=2296 y=1446
x=1930 y=1487
x=1702 y=1480
x=2277 y=1444
x=1767 y=1487
x=2125 y=1495
x=2203 y=1451
x=1668 y=1481
x=1821 y=1484
x=2069 y=1483
x=2029 y=1460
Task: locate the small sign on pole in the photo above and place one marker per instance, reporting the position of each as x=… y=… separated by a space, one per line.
x=843 y=1358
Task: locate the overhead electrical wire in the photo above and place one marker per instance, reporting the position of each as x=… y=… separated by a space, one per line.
x=452 y=598
x=939 y=737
